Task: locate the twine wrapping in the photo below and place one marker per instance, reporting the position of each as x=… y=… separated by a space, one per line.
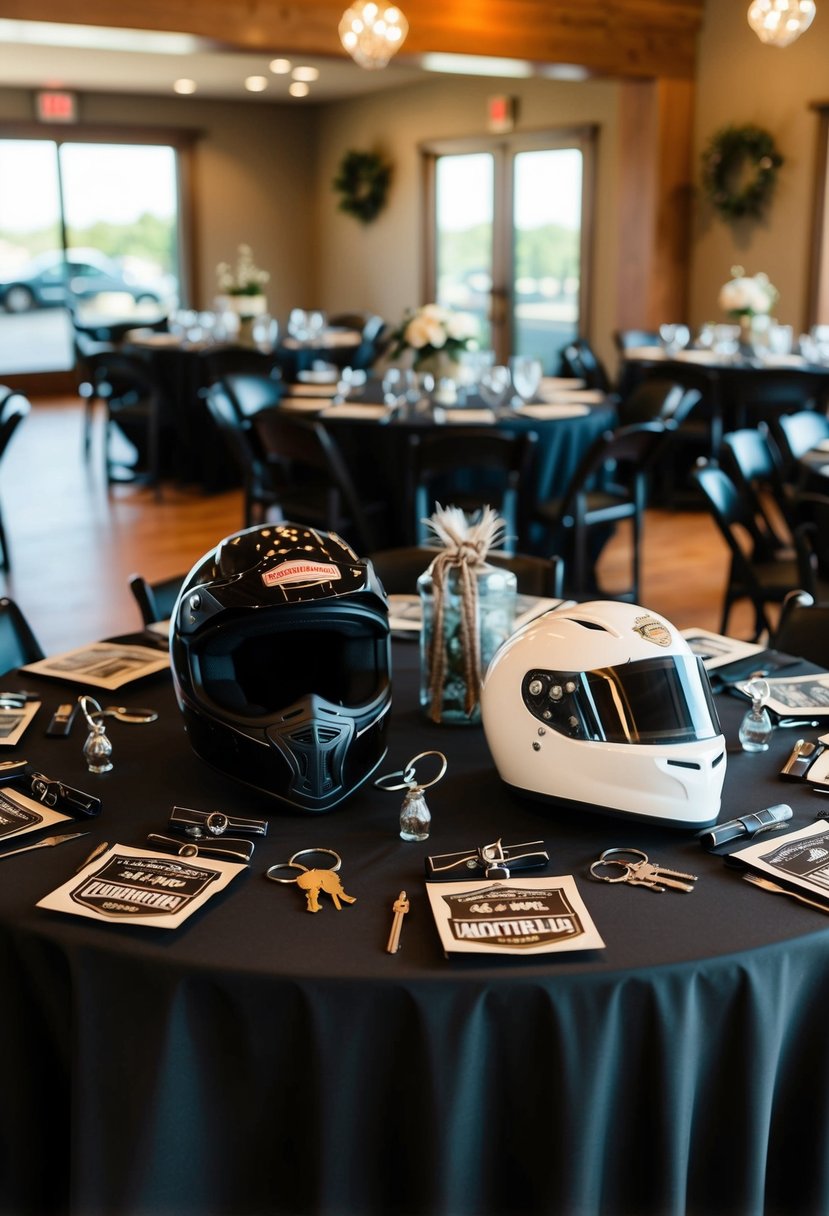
x=466 y=545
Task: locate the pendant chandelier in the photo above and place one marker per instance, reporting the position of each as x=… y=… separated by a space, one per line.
x=372 y=32
x=779 y=22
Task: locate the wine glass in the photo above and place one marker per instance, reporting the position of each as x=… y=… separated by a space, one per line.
x=395 y=387
x=298 y=325
x=526 y=377
x=494 y=385
x=674 y=337
x=265 y=331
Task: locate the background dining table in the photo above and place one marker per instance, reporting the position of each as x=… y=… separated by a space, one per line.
x=261 y=1059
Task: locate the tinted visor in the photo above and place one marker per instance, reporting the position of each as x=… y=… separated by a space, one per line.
x=254 y=669
x=666 y=699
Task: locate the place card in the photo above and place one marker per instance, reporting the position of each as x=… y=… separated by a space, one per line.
x=518 y=916
x=15 y=720
x=20 y=814
x=141 y=887
x=102 y=664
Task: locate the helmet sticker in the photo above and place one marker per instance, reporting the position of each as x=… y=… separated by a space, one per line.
x=652 y=630
x=298 y=571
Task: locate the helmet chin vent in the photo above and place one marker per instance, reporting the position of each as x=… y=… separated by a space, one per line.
x=718 y=760
x=685 y=764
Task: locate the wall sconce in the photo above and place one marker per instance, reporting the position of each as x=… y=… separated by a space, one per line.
x=779 y=22
x=372 y=32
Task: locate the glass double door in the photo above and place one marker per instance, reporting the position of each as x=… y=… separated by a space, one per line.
x=508 y=240
x=88 y=230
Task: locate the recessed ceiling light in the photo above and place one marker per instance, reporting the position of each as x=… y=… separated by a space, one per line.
x=184 y=86
x=280 y=67
x=305 y=73
x=256 y=84
x=298 y=88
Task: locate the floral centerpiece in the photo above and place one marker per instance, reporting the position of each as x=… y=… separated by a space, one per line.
x=747 y=296
x=436 y=336
x=242 y=287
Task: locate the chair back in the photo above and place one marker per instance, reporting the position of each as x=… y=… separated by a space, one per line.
x=313 y=474
x=219 y=362
x=579 y=359
x=796 y=434
x=14 y=407
x=18 y=644
x=623 y=456
x=752 y=461
x=156 y=601
x=251 y=392
x=651 y=400
x=803 y=629
x=484 y=467
x=243 y=446
x=399 y=570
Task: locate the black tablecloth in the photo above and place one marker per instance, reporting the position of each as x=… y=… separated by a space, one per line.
x=263 y=1060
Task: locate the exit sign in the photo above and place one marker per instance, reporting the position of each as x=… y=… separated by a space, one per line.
x=56 y=105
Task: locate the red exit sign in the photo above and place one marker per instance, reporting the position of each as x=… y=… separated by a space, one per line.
x=56 y=105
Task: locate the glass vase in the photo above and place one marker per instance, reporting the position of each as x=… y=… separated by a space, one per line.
x=496 y=617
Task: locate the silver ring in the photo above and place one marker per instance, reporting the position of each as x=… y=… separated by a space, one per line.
x=406 y=780
x=338 y=861
x=284 y=865
x=623 y=865
x=410 y=767
x=217 y=823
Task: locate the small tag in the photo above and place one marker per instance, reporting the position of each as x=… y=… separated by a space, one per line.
x=653 y=630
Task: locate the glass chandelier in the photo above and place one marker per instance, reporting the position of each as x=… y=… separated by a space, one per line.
x=372 y=32
x=779 y=22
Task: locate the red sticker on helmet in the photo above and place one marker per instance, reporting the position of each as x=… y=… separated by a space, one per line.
x=298 y=571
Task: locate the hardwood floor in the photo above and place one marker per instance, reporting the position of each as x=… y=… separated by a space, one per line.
x=73 y=546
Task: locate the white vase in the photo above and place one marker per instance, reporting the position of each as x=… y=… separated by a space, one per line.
x=243 y=306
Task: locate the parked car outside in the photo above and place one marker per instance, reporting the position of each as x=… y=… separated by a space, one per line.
x=48 y=282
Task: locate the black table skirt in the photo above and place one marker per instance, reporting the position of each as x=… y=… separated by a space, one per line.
x=262 y=1060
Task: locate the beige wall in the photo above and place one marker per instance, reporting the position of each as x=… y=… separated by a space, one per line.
x=742 y=81
x=254 y=174
x=379 y=265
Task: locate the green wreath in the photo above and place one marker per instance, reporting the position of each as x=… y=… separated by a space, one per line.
x=730 y=155
x=363 y=180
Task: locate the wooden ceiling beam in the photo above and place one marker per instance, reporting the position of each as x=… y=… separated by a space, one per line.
x=633 y=39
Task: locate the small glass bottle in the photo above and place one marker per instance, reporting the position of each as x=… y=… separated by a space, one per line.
x=97 y=750
x=756 y=727
x=496 y=619
x=415 y=816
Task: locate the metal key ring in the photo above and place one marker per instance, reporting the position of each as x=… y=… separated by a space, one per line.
x=406 y=782
x=338 y=861
x=634 y=856
x=284 y=865
x=623 y=865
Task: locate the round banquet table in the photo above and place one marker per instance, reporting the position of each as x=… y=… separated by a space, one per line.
x=262 y=1060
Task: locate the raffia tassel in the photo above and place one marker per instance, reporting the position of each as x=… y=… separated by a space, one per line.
x=466 y=545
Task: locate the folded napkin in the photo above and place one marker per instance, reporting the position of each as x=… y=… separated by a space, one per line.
x=356 y=409
x=585 y=396
x=476 y=417
x=310 y=405
x=311 y=390
x=142 y=337
x=560 y=383
x=644 y=352
x=769 y=360
x=697 y=356
x=554 y=409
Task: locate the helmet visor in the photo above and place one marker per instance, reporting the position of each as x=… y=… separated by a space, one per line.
x=666 y=699
x=660 y=700
x=256 y=671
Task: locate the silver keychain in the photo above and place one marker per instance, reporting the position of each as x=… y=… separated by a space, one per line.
x=415 y=816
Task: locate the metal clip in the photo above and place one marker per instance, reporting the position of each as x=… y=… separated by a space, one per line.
x=496 y=860
x=62 y=797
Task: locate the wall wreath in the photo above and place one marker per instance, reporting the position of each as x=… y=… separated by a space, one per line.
x=739 y=171
x=363 y=181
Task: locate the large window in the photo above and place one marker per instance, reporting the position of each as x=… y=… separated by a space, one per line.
x=86 y=229
x=508 y=237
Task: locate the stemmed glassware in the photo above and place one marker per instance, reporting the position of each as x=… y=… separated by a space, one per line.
x=526 y=377
x=265 y=331
x=674 y=337
x=495 y=386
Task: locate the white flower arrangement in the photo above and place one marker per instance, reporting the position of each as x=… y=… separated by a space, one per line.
x=747 y=296
x=246 y=279
x=431 y=330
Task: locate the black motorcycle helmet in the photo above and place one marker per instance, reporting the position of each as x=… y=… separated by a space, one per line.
x=282 y=665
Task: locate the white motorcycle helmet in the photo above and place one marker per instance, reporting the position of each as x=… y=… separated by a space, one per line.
x=603 y=704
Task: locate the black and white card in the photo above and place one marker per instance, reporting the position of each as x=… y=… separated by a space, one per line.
x=141 y=887
x=521 y=916
x=20 y=814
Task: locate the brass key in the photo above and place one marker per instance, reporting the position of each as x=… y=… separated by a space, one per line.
x=400 y=908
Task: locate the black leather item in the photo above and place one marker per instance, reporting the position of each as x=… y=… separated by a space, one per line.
x=213 y=823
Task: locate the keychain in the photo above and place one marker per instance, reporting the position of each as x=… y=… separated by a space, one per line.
x=415 y=816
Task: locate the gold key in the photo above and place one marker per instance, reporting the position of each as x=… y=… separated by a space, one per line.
x=314 y=881
x=400 y=908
